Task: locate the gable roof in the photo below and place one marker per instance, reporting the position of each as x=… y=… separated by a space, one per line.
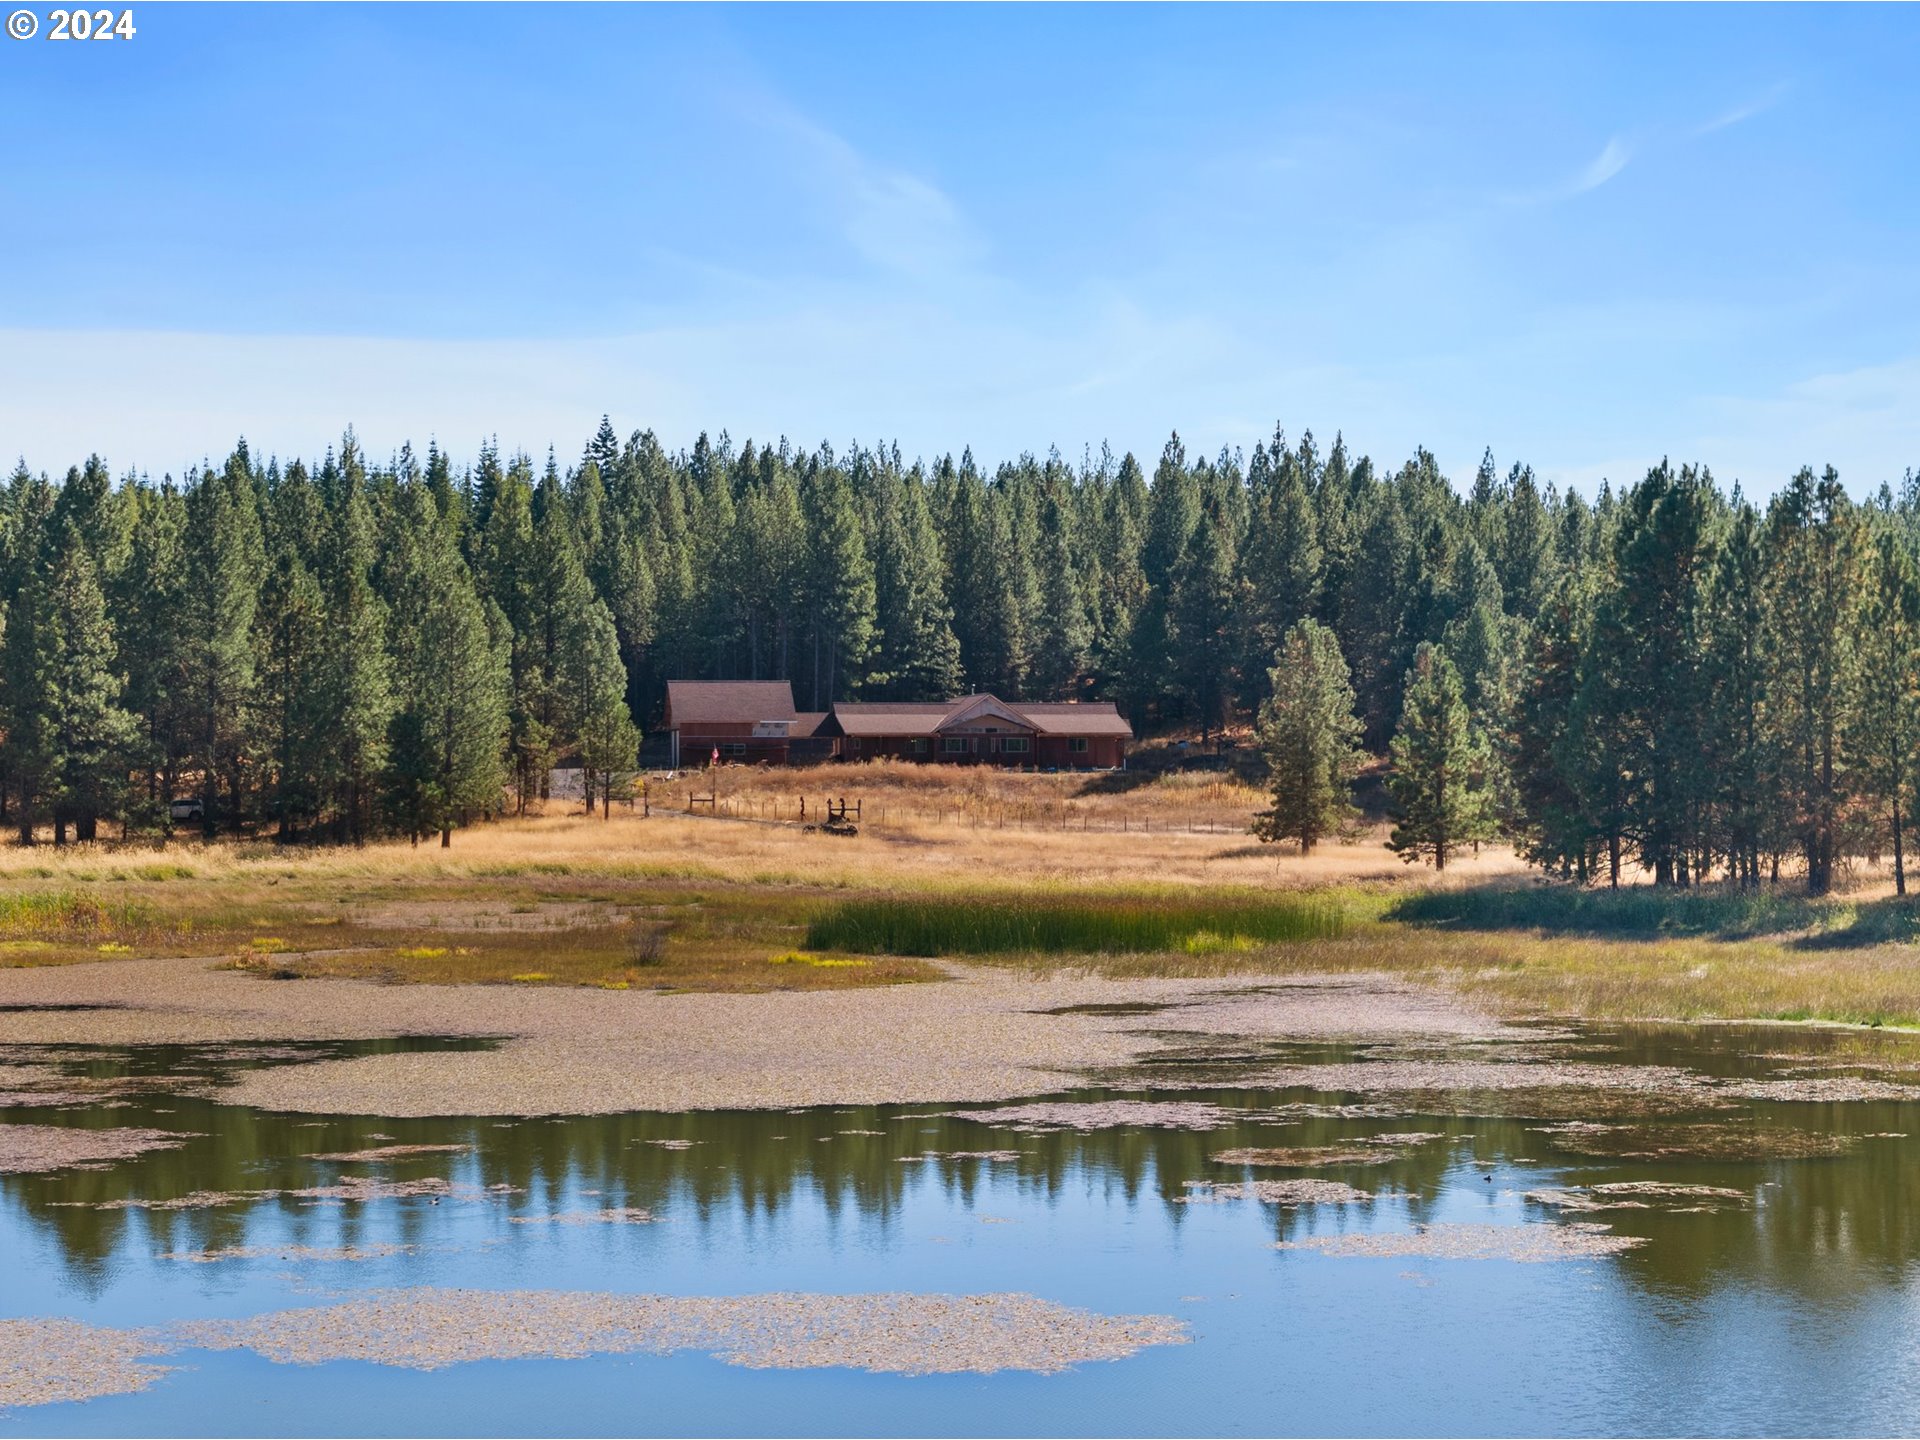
x=980 y=709
x=727 y=702
x=910 y=718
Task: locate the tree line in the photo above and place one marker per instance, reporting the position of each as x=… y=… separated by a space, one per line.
x=1667 y=675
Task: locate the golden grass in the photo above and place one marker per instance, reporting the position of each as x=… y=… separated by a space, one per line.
x=727 y=902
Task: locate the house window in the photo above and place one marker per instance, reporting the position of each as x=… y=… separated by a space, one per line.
x=1015 y=744
x=917 y=745
x=954 y=745
x=1077 y=745
x=733 y=749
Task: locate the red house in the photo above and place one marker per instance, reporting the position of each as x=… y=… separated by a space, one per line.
x=982 y=730
x=754 y=721
x=744 y=721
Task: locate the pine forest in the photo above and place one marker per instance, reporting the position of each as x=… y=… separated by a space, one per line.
x=1667 y=679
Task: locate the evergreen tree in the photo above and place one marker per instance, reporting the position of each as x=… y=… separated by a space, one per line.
x=918 y=654
x=1282 y=565
x=1373 y=626
x=1812 y=588
x=1883 y=722
x=1204 y=603
x=1065 y=632
x=1437 y=761
x=602 y=727
x=1743 y=766
x=295 y=714
x=92 y=733
x=1172 y=516
x=1310 y=736
x=358 y=700
x=1542 y=747
x=1651 y=624
x=986 y=612
x=838 y=587
x=451 y=677
x=223 y=564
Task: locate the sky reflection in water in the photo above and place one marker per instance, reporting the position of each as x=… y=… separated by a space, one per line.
x=1792 y=1313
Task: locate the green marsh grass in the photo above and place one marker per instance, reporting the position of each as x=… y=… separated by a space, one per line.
x=40 y=911
x=1644 y=913
x=978 y=925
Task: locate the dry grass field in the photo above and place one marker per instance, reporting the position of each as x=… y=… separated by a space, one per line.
x=723 y=898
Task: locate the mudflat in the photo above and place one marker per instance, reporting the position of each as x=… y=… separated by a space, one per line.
x=985 y=1034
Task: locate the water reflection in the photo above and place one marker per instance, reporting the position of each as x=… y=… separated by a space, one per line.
x=1810 y=1224
x=1757 y=1314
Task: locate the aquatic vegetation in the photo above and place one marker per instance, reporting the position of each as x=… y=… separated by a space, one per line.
x=392 y=1152
x=1273 y=1192
x=611 y=1215
x=1526 y=1244
x=1056 y=925
x=1641 y=1195
x=1042 y=1116
x=425 y=1329
x=1304 y=1157
x=295 y=1253
x=1705 y=1141
x=47 y=1362
x=56 y=1147
x=1823 y=1090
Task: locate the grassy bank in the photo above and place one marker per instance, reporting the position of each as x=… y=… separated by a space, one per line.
x=698 y=903
x=1642 y=912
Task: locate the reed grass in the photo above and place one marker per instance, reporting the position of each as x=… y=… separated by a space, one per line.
x=1052 y=926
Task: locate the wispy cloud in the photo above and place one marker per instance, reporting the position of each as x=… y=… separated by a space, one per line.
x=1614 y=157
x=893 y=218
x=1759 y=105
x=1602 y=168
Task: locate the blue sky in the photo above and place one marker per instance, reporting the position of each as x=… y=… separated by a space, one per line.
x=1585 y=237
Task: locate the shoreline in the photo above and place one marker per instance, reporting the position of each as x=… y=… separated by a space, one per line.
x=986 y=1034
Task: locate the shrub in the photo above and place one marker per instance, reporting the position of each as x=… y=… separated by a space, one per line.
x=647 y=944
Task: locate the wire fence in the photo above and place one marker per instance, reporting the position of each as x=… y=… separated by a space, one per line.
x=1063 y=816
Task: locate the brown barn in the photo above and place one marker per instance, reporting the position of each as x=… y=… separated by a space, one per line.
x=745 y=721
x=983 y=730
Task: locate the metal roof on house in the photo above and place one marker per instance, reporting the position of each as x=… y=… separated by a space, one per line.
x=727 y=702
x=1077 y=717
x=889 y=717
x=874 y=718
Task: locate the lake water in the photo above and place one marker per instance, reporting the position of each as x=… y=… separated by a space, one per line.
x=1789 y=1306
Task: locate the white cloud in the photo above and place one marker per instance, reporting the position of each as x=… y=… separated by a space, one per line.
x=1602 y=168
x=1746 y=111
x=897 y=220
